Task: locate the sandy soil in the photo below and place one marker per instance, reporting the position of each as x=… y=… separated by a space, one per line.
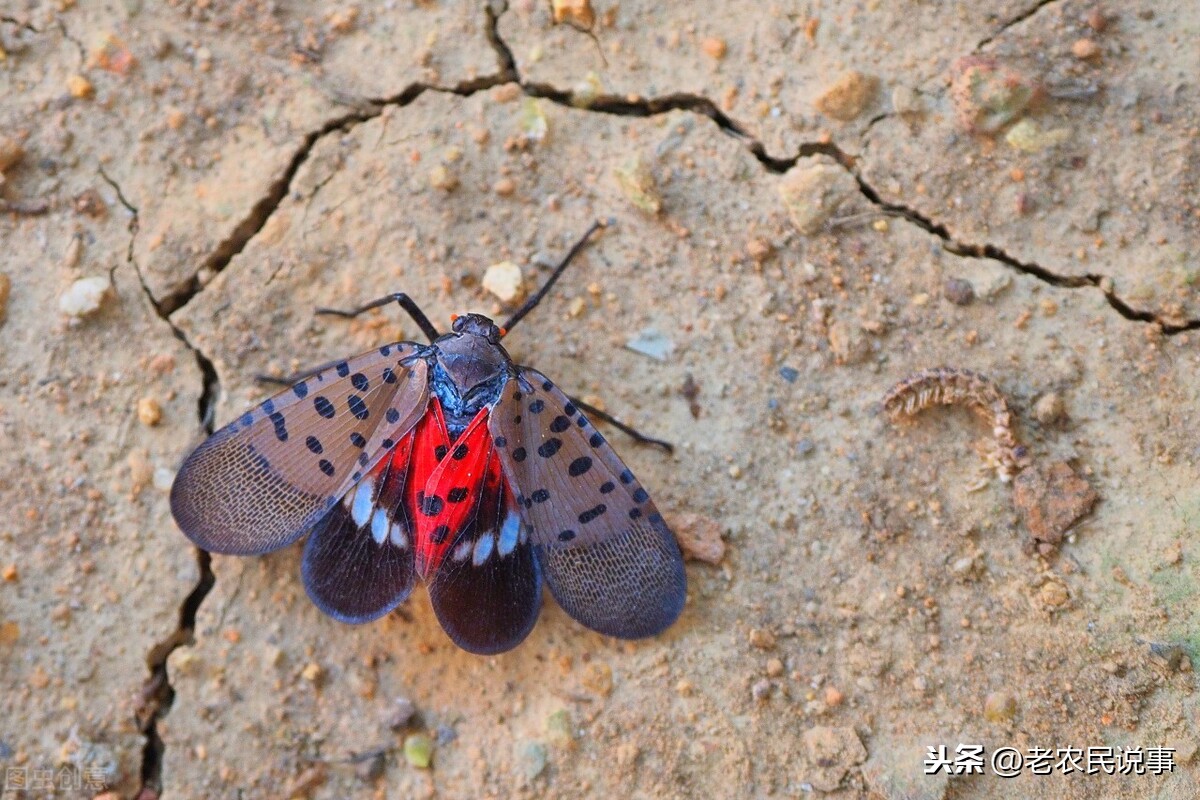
x=812 y=202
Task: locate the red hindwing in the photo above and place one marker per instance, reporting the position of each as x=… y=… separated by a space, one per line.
x=446 y=497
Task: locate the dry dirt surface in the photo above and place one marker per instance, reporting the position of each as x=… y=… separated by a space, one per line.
x=812 y=201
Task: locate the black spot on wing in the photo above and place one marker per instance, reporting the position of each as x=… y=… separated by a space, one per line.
x=280 y=426
x=592 y=513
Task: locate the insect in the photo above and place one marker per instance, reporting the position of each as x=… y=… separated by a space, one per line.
x=952 y=386
x=450 y=463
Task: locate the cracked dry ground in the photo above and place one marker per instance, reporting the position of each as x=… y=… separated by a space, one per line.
x=231 y=165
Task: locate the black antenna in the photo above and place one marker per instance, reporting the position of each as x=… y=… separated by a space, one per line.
x=532 y=302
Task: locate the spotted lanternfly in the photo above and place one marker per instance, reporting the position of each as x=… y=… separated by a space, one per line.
x=449 y=462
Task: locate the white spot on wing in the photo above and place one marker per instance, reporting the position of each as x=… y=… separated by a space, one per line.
x=364 y=499
x=483 y=549
x=397 y=537
x=509 y=534
x=462 y=550
x=379 y=526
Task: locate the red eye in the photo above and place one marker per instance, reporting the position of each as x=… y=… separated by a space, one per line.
x=503 y=332
x=453 y=318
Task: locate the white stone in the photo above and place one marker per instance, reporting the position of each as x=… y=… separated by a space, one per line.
x=505 y=281
x=83 y=297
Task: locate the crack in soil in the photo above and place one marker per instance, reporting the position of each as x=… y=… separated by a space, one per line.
x=157 y=695
x=248 y=228
x=699 y=104
x=991 y=252
x=1017 y=20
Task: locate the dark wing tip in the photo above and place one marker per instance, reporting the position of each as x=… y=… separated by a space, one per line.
x=489 y=609
x=630 y=586
x=349 y=576
x=484 y=641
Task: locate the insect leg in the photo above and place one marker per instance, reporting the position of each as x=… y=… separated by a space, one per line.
x=532 y=302
x=637 y=435
x=407 y=303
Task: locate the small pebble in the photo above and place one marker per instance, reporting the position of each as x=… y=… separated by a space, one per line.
x=759 y=250
x=762 y=638
x=506 y=92
x=651 y=342
x=80 y=87
x=533 y=757
x=576 y=12
x=761 y=690
x=598 y=678
x=11 y=152
x=504 y=187
x=814 y=192
x=9 y=573
x=987 y=95
x=312 y=672
x=959 y=292
x=149 y=411
x=714 y=47
x=559 y=730
x=342 y=20
x=401 y=714
x=1085 y=49
x=445 y=735
x=637 y=183
x=1029 y=137
x=1050 y=408
x=833 y=697
x=805 y=447
x=440 y=177
x=789 y=374
x=84 y=296
x=418 y=750
x=848 y=96
x=73 y=253
x=774 y=667
x=372 y=769
x=999 y=706
x=1054 y=594
x=505 y=281
x=699 y=537
x=163 y=478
